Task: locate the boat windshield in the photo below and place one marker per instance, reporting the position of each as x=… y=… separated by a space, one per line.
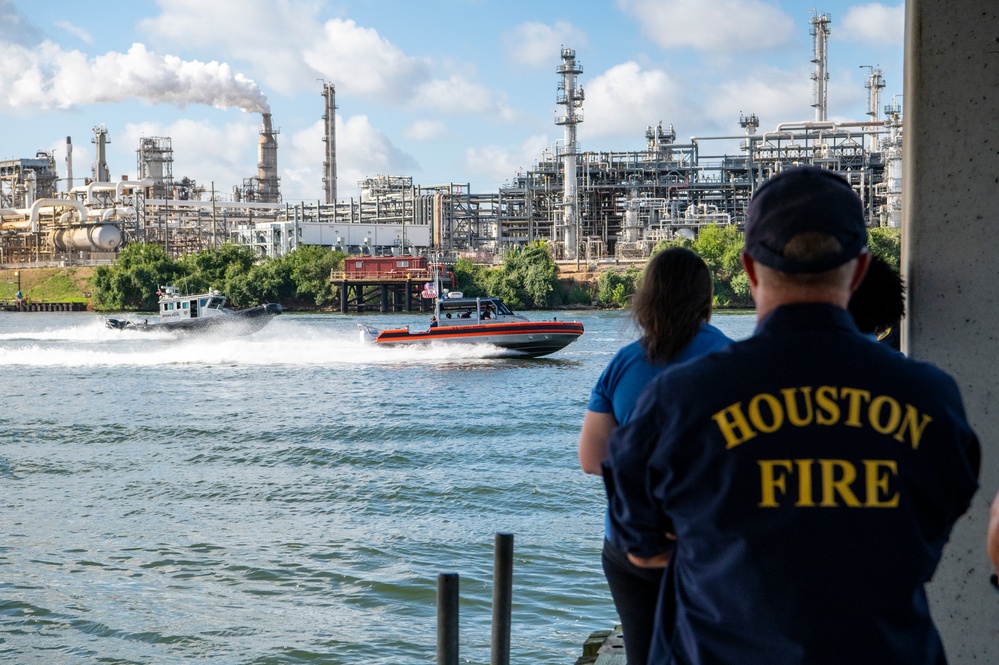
x=217 y=302
x=501 y=308
x=464 y=308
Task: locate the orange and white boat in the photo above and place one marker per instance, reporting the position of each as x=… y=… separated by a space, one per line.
x=488 y=320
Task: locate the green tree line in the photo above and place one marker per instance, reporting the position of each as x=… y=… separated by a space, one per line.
x=527 y=277
x=720 y=247
x=300 y=278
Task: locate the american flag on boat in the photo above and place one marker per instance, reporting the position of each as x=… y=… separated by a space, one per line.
x=429 y=290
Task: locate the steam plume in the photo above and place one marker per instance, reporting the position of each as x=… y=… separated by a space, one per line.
x=48 y=77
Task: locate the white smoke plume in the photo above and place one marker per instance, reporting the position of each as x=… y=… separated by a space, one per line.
x=47 y=77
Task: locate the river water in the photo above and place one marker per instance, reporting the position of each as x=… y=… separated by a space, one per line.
x=292 y=496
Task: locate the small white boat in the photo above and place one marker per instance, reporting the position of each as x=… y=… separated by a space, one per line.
x=200 y=312
x=487 y=320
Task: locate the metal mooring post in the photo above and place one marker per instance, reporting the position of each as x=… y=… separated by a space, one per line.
x=502 y=598
x=447 y=619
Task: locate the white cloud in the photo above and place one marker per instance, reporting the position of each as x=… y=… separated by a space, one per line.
x=726 y=26
x=362 y=62
x=457 y=96
x=425 y=130
x=80 y=33
x=288 y=47
x=625 y=100
x=875 y=24
x=302 y=175
x=362 y=152
x=495 y=164
x=539 y=45
x=268 y=35
x=773 y=95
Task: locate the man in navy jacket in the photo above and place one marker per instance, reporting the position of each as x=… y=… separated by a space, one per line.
x=810 y=475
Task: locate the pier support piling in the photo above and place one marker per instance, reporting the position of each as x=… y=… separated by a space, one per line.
x=447 y=619
x=502 y=598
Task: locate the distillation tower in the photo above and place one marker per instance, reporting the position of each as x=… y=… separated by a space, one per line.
x=570 y=96
x=820 y=58
x=329 y=138
x=155 y=161
x=875 y=84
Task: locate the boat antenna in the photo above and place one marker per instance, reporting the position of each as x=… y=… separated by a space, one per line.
x=438 y=262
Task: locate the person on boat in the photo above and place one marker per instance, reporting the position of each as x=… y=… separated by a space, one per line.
x=433 y=321
x=812 y=478
x=672 y=309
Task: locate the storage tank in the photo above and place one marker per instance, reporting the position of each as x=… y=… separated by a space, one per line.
x=93 y=238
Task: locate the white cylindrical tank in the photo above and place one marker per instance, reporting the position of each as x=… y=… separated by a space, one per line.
x=95 y=238
x=631 y=229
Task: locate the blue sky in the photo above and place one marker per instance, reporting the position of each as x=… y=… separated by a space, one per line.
x=441 y=90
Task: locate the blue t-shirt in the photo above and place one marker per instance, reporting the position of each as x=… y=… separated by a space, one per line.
x=812 y=479
x=629 y=371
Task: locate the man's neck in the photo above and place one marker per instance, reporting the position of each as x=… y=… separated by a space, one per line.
x=767 y=300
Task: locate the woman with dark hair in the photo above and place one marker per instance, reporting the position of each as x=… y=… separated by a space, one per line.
x=671 y=309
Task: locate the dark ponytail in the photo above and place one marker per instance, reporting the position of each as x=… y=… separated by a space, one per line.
x=672 y=302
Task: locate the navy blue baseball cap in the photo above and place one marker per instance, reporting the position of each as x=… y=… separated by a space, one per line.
x=798 y=200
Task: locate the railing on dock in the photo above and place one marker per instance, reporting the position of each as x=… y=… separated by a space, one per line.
x=26 y=305
x=447 y=607
x=605 y=647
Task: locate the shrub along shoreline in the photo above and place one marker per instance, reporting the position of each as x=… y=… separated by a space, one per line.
x=527 y=278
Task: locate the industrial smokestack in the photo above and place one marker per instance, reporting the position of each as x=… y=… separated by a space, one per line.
x=267 y=169
x=69 y=164
x=100 y=140
x=329 y=137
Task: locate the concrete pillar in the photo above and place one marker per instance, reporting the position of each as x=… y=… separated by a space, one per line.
x=950 y=256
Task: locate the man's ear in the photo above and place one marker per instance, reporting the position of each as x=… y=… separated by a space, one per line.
x=863 y=262
x=750 y=266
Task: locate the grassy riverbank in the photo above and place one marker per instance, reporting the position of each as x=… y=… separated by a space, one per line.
x=47 y=284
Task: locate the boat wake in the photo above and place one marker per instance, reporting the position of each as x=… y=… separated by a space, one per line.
x=286 y=342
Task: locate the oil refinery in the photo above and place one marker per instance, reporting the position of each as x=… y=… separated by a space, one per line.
x=589 y=205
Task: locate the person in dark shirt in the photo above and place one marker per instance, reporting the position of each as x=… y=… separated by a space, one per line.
x=671 y=309
x=811 y=478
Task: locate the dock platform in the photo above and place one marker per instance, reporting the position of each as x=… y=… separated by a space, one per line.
x=604 y=647
x=41 y=306
x=380 y=294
